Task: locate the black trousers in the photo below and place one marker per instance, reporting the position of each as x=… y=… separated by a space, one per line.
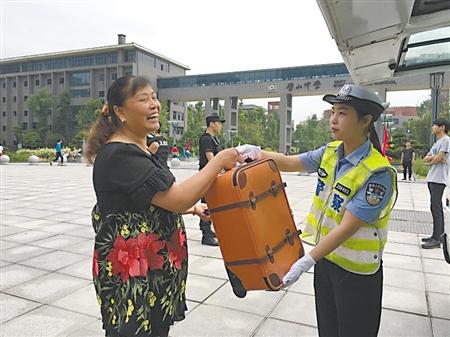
x=347 y=304
x=436 y=192
x=59 y=155
x=407 y=169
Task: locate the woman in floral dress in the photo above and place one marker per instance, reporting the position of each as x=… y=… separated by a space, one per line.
x=140 y=254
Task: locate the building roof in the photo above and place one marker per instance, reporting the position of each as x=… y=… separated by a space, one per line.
x=40 y=57
x=406 y=111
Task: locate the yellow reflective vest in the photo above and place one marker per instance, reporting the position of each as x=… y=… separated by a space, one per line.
x=362 y=252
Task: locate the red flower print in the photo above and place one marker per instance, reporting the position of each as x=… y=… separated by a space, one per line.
x=177 y=248
x=95 y=264
x=151 y=246
x=131 y=257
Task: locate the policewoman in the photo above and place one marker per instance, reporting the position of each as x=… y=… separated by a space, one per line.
x=348 y=221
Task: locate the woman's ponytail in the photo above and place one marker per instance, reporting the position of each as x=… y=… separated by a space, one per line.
x=373 y=136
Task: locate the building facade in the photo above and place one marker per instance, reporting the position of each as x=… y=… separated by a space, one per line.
x=86 y=73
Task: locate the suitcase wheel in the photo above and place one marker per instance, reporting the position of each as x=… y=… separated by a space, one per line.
x=236 y=284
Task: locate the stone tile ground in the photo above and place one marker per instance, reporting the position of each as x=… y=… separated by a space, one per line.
x=46 y=240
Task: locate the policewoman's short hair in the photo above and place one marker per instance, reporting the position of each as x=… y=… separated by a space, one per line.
x=363 y=100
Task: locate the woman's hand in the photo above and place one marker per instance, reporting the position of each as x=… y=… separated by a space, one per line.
x=228 y=158
x=201 y=210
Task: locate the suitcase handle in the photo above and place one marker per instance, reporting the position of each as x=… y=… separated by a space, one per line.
x=270 y=252
x=252 y=200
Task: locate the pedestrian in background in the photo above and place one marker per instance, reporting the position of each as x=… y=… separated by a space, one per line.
x=437 y=159
x=209 y=146
x=58 y=152
x=407 y=159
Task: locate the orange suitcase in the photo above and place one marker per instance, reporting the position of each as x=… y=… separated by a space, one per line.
x=253 y=222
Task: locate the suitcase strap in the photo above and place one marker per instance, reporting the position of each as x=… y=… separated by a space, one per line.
x=289 y=238
x=252 y=200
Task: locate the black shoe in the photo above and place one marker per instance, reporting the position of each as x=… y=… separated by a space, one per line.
x=208 y=240
x=404 y=179
x=427 y=239
x=431 y=244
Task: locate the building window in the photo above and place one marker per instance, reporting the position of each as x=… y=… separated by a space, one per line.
x=130 y=56
x=61 y=80
x=35 y=125
x=25 y=126
x=80 y=79
x=3 y=99
x=101 y=93
x=15 y=113
x=4 y=113
x=4 y=127
x=14 y=84
x=162 y=67
x=25 y=83
x=25 y=98
x=49 y=81
x=77 y=93
x=174 y=115
x=101 y=77
x=114 y=76
x=36 y=83
x=50 y=127
x=3 y=85
x=14 y=98
x=25 y=113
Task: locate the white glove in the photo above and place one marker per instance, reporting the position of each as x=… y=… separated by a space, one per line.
x=297 y=269
x=250 y=151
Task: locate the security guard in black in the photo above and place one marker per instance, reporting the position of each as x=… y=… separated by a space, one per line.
x=209 y=146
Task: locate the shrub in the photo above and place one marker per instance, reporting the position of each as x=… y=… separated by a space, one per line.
x=22 y=155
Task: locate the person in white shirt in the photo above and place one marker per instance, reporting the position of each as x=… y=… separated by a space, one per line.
x=437 y=179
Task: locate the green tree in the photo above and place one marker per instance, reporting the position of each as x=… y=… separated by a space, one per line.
x=40 y=104
x=18 y=133
x=271 y=132
x=420 y=129
x=88 y=114
x=311 y=134
x=251 y=127
x=164 y=117
x=32 y=139
x=63 y=119
x=195 y=125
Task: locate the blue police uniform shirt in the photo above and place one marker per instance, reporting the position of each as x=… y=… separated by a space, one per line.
x=358 y=205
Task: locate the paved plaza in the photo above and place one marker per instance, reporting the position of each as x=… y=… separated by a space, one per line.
x=46 y=252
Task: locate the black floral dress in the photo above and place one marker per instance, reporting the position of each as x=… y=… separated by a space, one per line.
x=140 y=254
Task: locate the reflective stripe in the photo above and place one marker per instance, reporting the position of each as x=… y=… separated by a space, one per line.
x=366 y=232
x=362 y=268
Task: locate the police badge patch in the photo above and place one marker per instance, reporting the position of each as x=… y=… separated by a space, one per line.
x=375 y=193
